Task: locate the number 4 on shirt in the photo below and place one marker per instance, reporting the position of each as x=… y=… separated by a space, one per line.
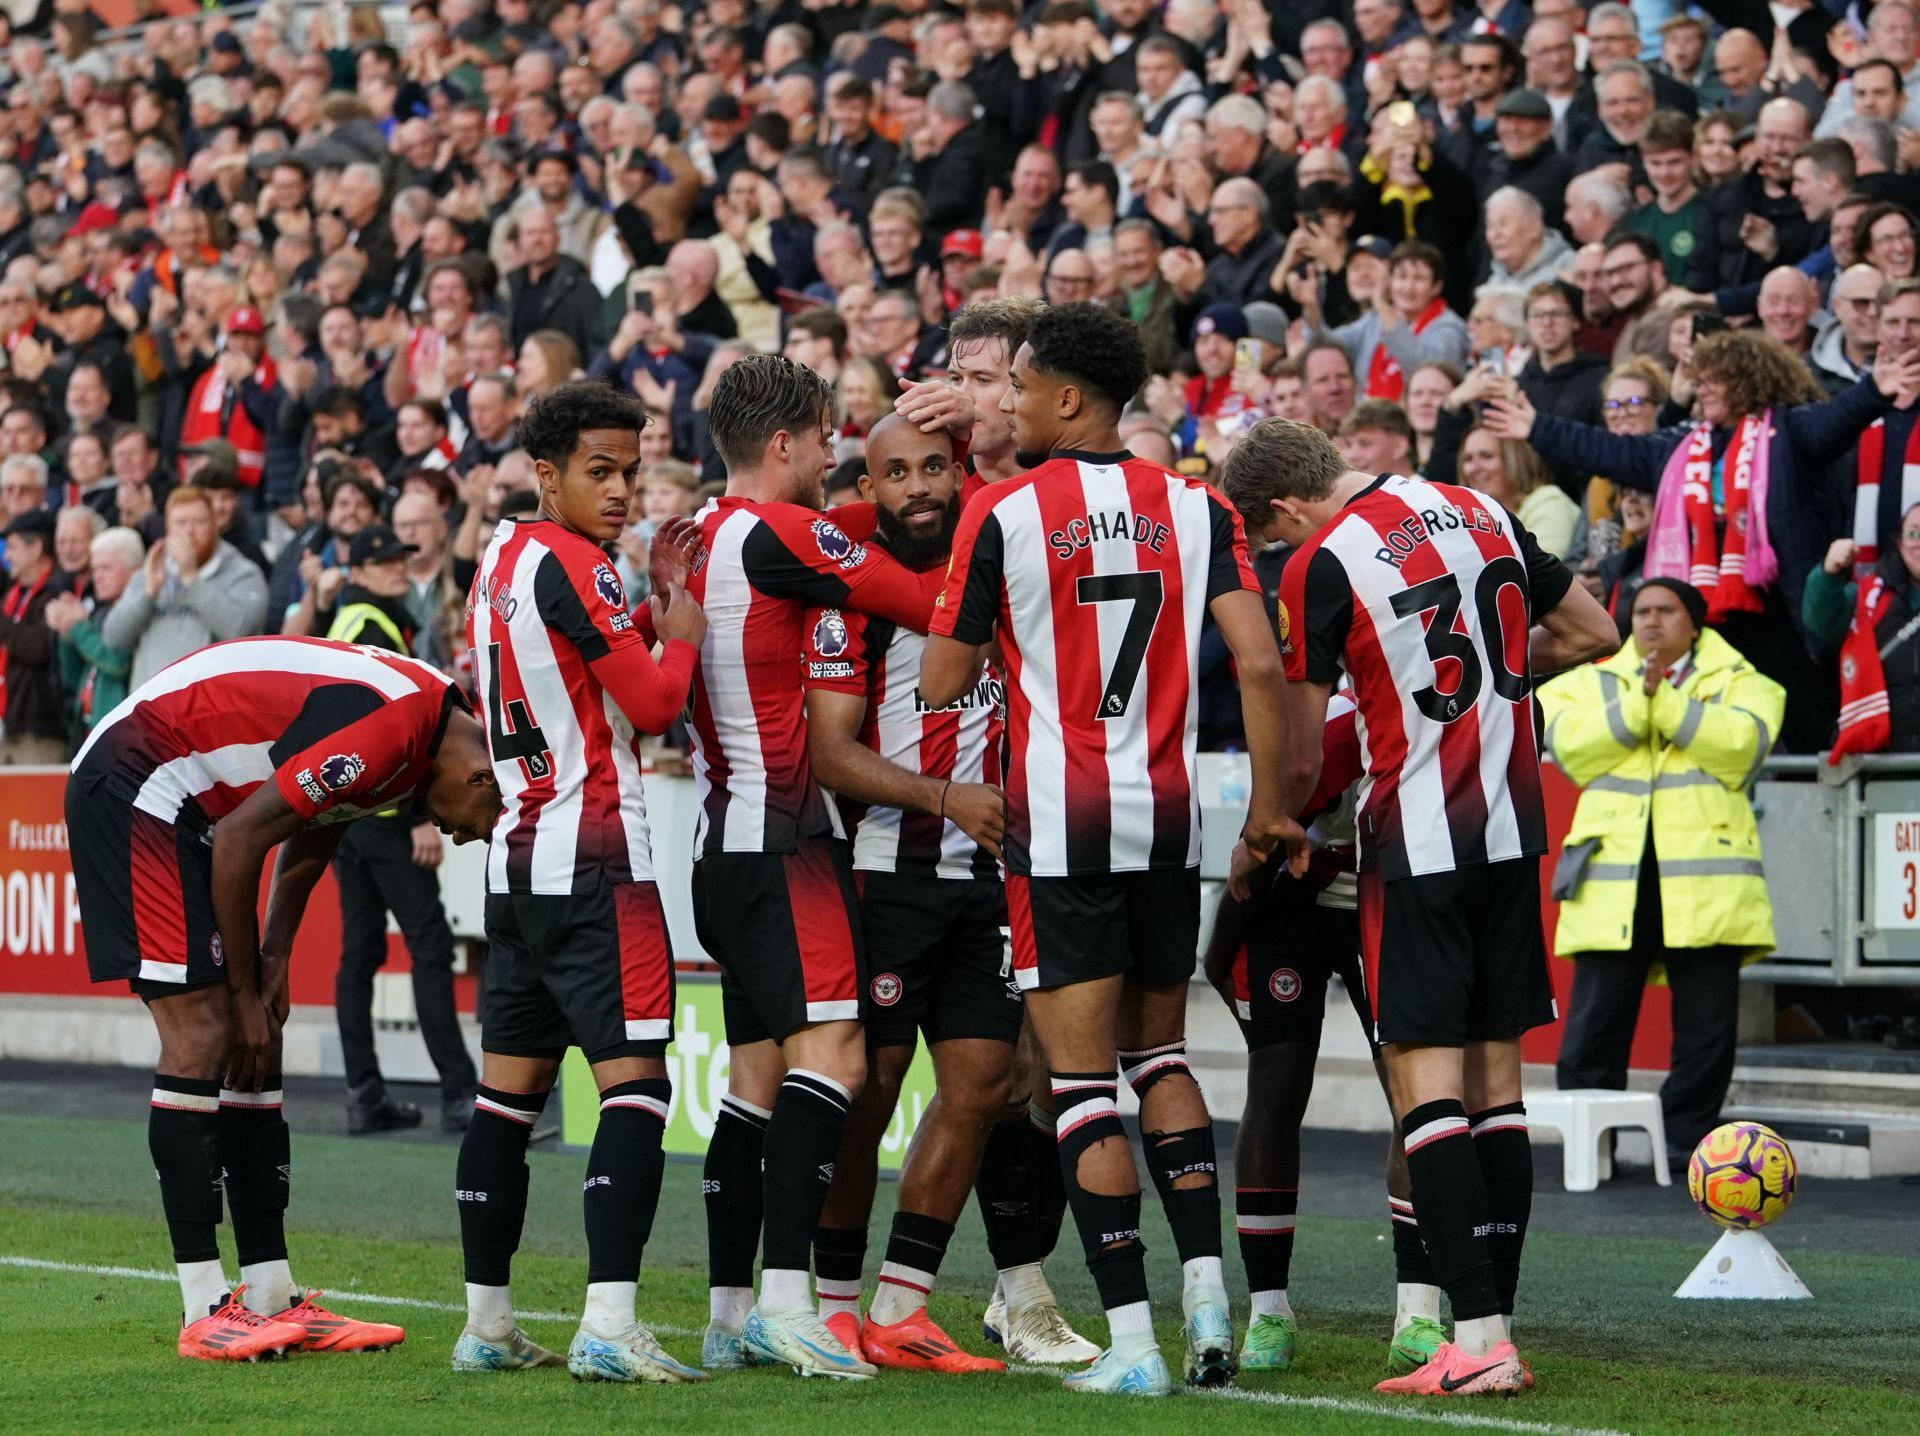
x=524 y=740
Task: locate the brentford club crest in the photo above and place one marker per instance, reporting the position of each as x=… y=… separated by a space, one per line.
x=1284 y=985
x=886 y=989
x=218 y=950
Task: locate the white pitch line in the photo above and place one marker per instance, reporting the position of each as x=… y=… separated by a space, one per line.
x=1460 y=1419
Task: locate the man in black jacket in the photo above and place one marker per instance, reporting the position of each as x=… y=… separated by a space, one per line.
x=1525 y=155
x=1558 y=378
x=36 y=728
x=949 y=165
x=549 y=290
x=1747 y=217
x=860 y=161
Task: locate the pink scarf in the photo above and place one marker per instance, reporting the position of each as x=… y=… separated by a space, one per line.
x=1670 y=542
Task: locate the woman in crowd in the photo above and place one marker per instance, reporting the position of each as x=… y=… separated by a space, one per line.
x=1512 y=475
x=1660 y=878
x=547 y=358
x=1427 y=391
x=1715 y=157
x=1756 y=516
x=1631 y=400
x=861 y=395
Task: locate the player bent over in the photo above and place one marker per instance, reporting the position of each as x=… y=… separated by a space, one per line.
x=578 y=950
x=173 y=804
x=773 y=893
x=1093 y=571
x=1423 y=598
x=916 y=789
x=1270 y=955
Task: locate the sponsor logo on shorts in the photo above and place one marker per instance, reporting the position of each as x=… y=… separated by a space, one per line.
x=1284 y=985
x=606 y=583
x=310 y=785
x=218 y=950
x=887 y=989
x=339 y=771
x=830 y=634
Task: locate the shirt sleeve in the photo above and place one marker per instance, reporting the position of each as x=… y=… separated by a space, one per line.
x=363 y=740
x=1548 y=579
x=835 y=652
x=587 y=606
x=796 y=553
x=969 y=604
x=1316 y=610
x=1229 y=569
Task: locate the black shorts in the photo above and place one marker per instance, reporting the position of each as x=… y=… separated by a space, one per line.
x=144 y=887
x=1144 y=926
x=1293 y=945
x=937 y=951
x=785 y=930
x=592 y=970
x=1459 y=957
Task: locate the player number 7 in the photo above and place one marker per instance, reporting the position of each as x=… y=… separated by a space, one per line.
x=524 y=740
x=1143 y=591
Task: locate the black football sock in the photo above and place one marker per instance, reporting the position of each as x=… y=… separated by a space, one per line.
x=256 y=1149
x=1263 y=1217
x=1004 y=1188
x=1086 y=1113
x=1505 y=1150
x=839 y=1257
x=183 y=1138
x=1049 y=1185
x=1411 y=1264
x=734 y=1192
x=803 y=1136
x=622 y=1190
x=1451 y=1196
x=490 y=1182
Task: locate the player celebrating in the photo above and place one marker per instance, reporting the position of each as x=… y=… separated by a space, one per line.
x=174 y=802
x=916 y=789
x=1094 y=571
x=1270 y=954
x=1424 y=598
x=578 y=949
x=772 y=886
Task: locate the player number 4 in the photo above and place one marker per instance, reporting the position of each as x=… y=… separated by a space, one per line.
x=1144 y=592
x=524 y=740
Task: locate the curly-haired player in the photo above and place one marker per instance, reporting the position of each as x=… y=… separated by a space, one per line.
x=578 y=949
x=1094 y=572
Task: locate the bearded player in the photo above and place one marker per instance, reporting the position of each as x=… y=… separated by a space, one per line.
x=173 y=805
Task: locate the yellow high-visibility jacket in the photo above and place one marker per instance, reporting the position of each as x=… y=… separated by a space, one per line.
x=1684 y=759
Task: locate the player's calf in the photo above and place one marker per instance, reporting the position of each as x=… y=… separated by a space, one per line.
x=490 y=1189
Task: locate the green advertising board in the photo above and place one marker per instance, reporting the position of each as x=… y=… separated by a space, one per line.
x=697 y=1067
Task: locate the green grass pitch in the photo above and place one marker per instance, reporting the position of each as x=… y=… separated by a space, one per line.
x=92 y=1350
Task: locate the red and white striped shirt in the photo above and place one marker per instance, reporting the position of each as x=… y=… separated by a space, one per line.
x=567 y=685
x=875 y=659
x=762 y=567
x=1421 y=596
x=341 y=730
x=1096 y=571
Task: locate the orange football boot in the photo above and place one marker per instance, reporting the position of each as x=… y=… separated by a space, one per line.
x=1451 y=1372
x=915 y=1343
x=846 y=1328
x=232 y=1333
x=324 y=1330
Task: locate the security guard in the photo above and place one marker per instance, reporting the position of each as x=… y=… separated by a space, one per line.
x=387 y=864
x=1660 y=876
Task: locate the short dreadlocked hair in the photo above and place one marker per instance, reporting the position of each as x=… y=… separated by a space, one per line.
x=1092 y=345
x=756 y=397
x=550 y=430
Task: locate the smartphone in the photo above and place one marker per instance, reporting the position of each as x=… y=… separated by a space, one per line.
x=1705 y=324
x=1249 y=353
x=1401 y=113
x=1494 y=360
x=639 y=298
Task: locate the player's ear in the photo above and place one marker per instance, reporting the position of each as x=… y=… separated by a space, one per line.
x=867 y=488
x=546 y=474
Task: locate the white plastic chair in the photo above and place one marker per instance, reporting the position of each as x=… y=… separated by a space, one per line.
x=1584 y=1116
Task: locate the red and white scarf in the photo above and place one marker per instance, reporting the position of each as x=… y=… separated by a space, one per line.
x=1384 y=379
x=1683 y=542
x=1866 y=716
x=1871 y=469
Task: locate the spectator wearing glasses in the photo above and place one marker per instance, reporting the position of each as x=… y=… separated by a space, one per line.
x=1843 y=349
x=1069 y=277
x=1246 y=251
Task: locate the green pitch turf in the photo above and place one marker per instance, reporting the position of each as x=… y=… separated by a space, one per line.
x=92 y=1350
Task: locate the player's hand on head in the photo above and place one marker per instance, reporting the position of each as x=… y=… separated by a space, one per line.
x=933 y=405
x=676 y=615
x=980 y=811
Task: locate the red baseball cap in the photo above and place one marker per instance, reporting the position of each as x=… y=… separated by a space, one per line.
x=246 y=320
x=963 y=241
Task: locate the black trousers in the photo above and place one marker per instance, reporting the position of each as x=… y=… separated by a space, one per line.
x=377 y=875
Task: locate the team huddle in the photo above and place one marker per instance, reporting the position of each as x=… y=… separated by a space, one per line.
x=944 y=746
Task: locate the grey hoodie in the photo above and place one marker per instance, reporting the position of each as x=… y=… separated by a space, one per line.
x=228 y=599
x=1553 y=255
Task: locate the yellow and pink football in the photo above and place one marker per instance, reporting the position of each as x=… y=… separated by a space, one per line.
x=1742 y=1175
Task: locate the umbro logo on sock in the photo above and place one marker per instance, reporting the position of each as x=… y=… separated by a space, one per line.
x=826 y=1172
x=1009 y=1209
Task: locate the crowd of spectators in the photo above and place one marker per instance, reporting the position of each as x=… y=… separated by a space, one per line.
x=267 y=284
